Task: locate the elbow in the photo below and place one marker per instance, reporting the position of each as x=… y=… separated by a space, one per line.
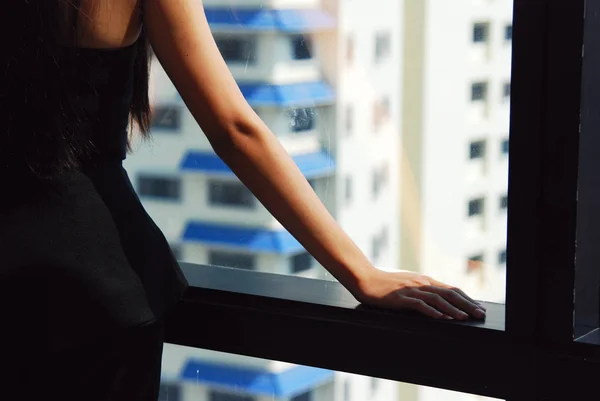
x=234 y=136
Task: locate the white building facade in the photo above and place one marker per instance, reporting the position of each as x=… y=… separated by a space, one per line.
x=323 y=75
x=454 y=172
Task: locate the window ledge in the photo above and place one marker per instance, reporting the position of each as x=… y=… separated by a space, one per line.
x=318 y=323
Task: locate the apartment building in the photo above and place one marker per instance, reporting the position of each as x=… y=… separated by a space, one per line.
x=454 y=170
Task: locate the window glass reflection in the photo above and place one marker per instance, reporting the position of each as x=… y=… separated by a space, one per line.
x=202 y=375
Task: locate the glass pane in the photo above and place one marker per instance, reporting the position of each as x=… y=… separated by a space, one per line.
x=190 y=374
x=398 y=114
x=587 y=277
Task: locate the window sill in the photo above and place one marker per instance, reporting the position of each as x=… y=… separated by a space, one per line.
x=318 y=323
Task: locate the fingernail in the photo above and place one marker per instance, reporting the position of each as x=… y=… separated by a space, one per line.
x=479 y=313
x=447 y=317
x=463 y=315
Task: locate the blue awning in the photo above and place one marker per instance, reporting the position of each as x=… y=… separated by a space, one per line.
x=312 y=165
x=259 y=19
x=305 y=94
x=288 y=383
x=249 y=239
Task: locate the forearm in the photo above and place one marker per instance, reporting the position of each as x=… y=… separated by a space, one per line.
x=258 y=159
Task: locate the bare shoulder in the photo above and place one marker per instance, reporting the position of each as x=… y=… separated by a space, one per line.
x=107 y=23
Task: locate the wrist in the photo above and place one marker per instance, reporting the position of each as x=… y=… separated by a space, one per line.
x=358 y=278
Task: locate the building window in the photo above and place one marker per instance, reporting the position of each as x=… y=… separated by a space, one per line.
x=348 y=189
x=222 y=396
x=377 y=183
x=349 y=119
x=481 y=32
x=167 y=118
x=231 y=259
x=475 y=263
x=508 y=32
x=302 y=119
x=379 y=243
x=504 y=147
x=381 y=112
x=302 y=262
x=225 y=193
x=169 y=392
x=301 y=47
x=302 y=397
x=168 y=188
x=383 y=45
x=502 y=257
x=350 y=49
x=503 y=202
x=380 y=178
x=237 y=49
x=479 y=91
x=506 y=91
x=477 y=150
x=476 y=207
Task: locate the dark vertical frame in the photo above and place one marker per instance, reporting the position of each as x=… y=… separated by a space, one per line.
x=587 y=270
x=548 y=39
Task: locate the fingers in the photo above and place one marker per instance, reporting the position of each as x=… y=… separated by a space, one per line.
x=457 y=300
x=459 y=291
x=421 y=306
x=438 y=302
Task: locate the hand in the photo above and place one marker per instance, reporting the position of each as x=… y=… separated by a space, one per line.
x=413 y=291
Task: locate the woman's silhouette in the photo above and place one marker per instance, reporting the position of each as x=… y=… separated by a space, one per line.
x=86 y=277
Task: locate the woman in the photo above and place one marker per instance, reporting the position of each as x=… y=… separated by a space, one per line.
x=87 y=277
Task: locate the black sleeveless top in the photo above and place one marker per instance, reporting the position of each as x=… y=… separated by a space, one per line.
x=81 y=255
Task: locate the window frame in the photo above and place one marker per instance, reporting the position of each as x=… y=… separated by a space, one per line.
x=171 y=179
x=248 y=39
x=508 y=28
x=587 y=276
x=504 y=142
x=312 y=117
x=382 y=48
x=212 y=199
x=167 y=129
x=232 y=255
x=229 y=396
x=308 y=45
x=506 y=93
x=300 y=256
x=485 y=88
x=480 y=201
x=485 y=34
x=533 y=332
x=481 y=144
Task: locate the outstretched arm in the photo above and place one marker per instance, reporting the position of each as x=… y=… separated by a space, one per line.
x=181 y=38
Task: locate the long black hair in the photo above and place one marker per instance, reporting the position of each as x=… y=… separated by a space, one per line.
x=37 y=129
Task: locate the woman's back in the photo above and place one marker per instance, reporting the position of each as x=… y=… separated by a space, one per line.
x=80 y=234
